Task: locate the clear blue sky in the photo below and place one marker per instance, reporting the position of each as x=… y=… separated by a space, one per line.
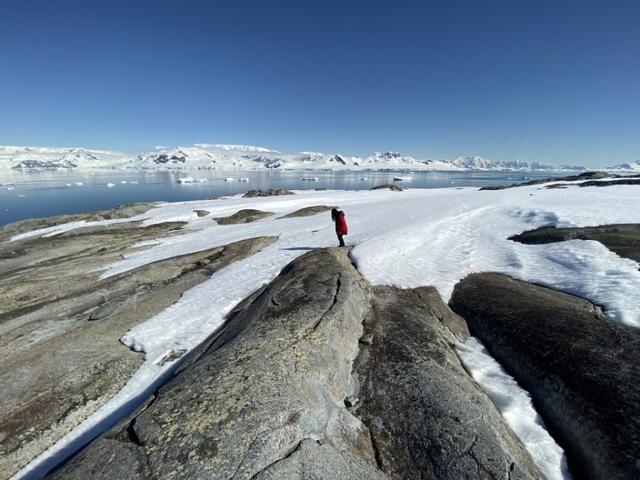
x=553 y=81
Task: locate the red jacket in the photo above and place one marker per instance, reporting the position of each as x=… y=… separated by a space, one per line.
x=341 y=224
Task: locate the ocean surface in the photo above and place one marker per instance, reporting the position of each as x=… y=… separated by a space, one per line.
x=42 y=194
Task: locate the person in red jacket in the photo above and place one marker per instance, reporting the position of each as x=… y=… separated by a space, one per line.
x=341 y=224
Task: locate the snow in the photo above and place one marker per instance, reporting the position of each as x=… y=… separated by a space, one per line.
x=406 y=239
x=220 y=157
x=516 y=407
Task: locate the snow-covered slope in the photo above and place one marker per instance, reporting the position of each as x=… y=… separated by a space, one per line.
x=204 y=156
x=59 y=158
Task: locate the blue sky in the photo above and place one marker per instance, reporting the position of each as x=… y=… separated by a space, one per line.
x=551 y=81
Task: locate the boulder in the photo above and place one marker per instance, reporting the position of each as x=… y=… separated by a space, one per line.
x=264 y=397
x=267 y=193
x=580 y=367
x=308 y=211
x=427 y=417
x=246 y=215
x=389 y=186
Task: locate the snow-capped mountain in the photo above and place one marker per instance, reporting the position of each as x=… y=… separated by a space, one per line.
x=204 y=156
x=480 y=163
x=627 y=167
x=59 y=158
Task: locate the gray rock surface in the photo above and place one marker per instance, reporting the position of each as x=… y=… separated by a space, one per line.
x=123 y=211
x=265 y=397
x=389 y=186
x=267 y=193
x=622 y=239
x=308 y=211
x=580 y=367
x=60 y=327
x=274 y=393
x=426 y=415
x=246 y=215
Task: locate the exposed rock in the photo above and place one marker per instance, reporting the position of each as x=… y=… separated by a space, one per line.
x=390 y=186
x=634 y=180
x=426 y=415
x=568 y=178
x=274 y=394
x=308 y=211
x=202 y=213
x=59 y=340
x=580 y=367
x=267 y=193
x=623 y=239
x=246 y=215
x=123 y=211
x=264 y=398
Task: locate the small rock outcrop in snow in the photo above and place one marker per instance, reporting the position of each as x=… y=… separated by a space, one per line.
x=247 y=215
x=267 y=193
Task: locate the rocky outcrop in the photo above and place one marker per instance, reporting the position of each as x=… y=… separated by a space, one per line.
x=202 y=213
x=265 y=398
x=389 y=186
x=567 y=178
x=631 y=180
x=622 y=239
x=579 y=366
x=59 y=340
x=246 y=215
x=267 y=193
x=123 y=211
x=427 y=418
x=308 y=211
x=274 y=393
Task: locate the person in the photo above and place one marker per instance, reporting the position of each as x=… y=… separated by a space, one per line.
x=341 y=224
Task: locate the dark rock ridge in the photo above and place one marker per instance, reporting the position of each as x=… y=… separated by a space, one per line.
x=246 y=215
x=389 y=186
x=622 y=239
x=580 y=367
x=568 y=178
x=308 y=211
x=632 y=180
x=60 y=327
x=267 y=193
x=426 y=418
x=272 y=394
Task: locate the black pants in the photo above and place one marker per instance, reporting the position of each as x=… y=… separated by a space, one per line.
x=341 y=240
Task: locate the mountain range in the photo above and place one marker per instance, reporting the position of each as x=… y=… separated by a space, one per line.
x=202 y=156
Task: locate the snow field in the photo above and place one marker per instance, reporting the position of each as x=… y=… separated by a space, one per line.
x=406 y=239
